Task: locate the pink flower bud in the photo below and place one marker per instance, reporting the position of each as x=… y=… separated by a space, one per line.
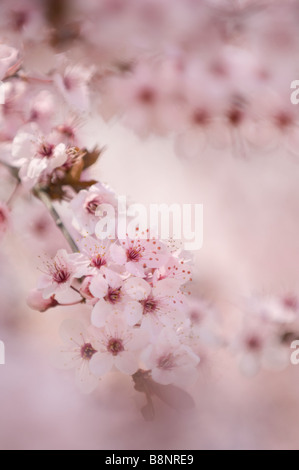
x=85 y=290
x=36 y=301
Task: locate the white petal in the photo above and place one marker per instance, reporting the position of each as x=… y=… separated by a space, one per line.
x=73 y=332
x=133 y=313
x=99 y=287
x=59 y=158
x=113 y=279
x=22 y=146
x=36 y=167
x=127 y=363
x=65 y=360
x=163 y=377
x=49 y=292
x=167 y=287
x=100 y=313
x=135 y=268
x=101 y=364
x=86 y=381
x=137 y=288
x=139 y=337
x=118 y=254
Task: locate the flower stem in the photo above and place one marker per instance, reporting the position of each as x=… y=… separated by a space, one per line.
x=13 y=194
x=43 y=196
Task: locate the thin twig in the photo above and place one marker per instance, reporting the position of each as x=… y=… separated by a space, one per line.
x=43 y=196
x=13 y=194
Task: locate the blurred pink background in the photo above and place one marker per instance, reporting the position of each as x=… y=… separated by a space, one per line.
x=251 y=238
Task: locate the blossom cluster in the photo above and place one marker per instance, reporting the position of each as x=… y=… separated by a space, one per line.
x=196 y=70
x=136 y=292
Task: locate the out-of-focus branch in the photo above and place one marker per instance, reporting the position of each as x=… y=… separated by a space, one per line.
x=13 y=171
x=43 y=196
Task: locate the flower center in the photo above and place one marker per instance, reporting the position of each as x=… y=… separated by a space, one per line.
x=290 y=302
x=196 y=316
x=113 y=296
x=66 y=130
x=147 y=95
x=98 y=261
x=87 y=352
x=166 y=362
x=149 y=305
x=235 y=117
x=91 y=206
x=70 y=82
x=254 y=343
x=200 y=117
x=115 y=346
x=46 y=150
x=20 y=18
x=134 y=254
x=60 y=274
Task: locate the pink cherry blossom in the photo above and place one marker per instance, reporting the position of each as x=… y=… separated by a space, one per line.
x=118 y=347
x=162 y=303
x=259 y=347
x=85 y=205
x=73 y=85
x=260 y=343
x=97 y=252
x=60 y=273
x=41 y=111
x=170 y=361
x=24 y=17
x=80 y=347
x=208 y=79
x=108 y=288
x=36 y=155
x=177 y=267
x=280 y=309
x=138 y=255
x=85 y=291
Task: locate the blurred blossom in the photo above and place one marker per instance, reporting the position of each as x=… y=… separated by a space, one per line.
x=37 y=302
x=146 y=326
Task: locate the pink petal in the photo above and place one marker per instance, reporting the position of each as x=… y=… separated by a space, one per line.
x=127 y=363
x=72 y=332
x=118 y=254
x=99 y=287
x=133 y=313
x=137 y=288
x=135 y=268
x=86 y=381
x=101 y=364
x=113 y=279
x=100 y=313
x=163 y=377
